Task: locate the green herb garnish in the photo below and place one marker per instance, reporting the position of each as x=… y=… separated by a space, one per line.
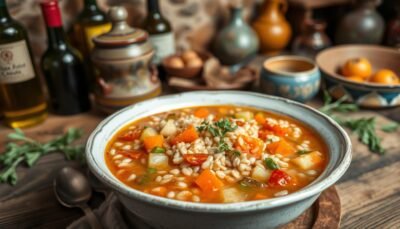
x=271 y=164
x=302 y=152
x=158 y=149
x=219 y=129
x=391 y=127
x=235 y=153
x=24 y=150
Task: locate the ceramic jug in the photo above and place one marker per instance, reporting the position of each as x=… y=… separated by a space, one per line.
x=237 y=41
x=122 y=58
x=363 y=25
x=312 y=39
x=271 y=26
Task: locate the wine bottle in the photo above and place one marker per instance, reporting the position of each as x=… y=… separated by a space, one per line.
x=159 y=29
x=62 y=67
x=90 y=23
x=21 y=99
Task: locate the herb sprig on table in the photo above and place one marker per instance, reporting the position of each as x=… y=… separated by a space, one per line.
x=365 y=128
x=24 y=150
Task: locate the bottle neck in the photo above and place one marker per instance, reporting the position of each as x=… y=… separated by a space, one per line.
x=236 y=16
x=55 y=32
x=90 y=5
x=153 y=9
x=4 y=15
x=56 y=38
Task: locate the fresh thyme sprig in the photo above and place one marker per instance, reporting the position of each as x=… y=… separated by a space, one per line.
x=363 y=127
x=219 y=129
x=24 y=150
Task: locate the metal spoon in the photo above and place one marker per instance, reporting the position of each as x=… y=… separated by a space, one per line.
x=72 y=189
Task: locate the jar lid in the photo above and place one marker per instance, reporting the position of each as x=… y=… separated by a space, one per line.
x=121 y=34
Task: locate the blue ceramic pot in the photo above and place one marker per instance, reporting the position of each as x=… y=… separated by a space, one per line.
x=292 y=77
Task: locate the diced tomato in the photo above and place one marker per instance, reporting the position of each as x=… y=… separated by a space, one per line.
x=130 y=135
x=253 y=146
x=276 y=129
x=134 y=154
x=279 y=178
x=262 y=134
x=195 y=159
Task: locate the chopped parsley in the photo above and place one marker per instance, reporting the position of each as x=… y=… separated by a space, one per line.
x=271 y=164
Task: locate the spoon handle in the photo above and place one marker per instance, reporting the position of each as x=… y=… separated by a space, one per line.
x=91 y=217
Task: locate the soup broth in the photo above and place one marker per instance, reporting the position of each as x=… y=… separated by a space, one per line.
x=217 y=154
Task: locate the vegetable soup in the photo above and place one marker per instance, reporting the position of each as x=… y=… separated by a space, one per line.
x=217 y=154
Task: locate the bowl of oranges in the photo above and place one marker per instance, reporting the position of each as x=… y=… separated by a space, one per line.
x=369 y=75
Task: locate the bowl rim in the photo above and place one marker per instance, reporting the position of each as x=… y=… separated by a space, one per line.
x=290 y=58
x=337 y=77
x=307 y=192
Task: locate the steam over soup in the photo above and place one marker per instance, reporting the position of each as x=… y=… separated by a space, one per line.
x=217 y=154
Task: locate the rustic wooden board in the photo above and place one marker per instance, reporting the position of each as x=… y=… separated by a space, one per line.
x=324 y=213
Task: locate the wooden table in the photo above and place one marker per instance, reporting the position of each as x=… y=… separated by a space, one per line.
x=369 y=191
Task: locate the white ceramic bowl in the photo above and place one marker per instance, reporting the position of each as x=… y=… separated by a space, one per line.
x=168 y=213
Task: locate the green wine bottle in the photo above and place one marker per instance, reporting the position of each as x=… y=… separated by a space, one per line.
x=21 y=99
x=62 y=67
x=160 y=31
x=90 y=23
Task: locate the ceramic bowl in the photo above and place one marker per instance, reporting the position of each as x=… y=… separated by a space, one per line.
x=185 y=72
x=164 y=213
x=364 y=94
x=292 y=77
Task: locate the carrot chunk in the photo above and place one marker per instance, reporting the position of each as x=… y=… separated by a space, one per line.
x=260 y=118
x=201 y=112
x=159 y=191
x=281 y=147
x=188 y=135
x=153 y=141
x=208 y=182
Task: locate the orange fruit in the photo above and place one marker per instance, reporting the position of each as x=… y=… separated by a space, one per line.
x=355 y=78
x=357 y=67
x=385 y=76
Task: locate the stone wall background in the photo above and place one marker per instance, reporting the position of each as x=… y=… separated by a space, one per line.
x=194 y=21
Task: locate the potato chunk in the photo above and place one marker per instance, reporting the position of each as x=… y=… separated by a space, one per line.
x=309 y=160
x=169 y=129
x=232 y=195
x=158 y=161
x=260 y=174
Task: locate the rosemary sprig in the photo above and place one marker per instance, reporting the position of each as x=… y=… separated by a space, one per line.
x=24 y=150
x=390 y=127
x=363 y=127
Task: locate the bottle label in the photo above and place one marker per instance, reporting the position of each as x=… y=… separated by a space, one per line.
x=164 y=45
x=93 y=31
x=15 y=63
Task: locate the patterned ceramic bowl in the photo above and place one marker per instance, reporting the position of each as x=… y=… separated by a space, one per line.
x=292 y=77
x=364 y=94
x=164 y=213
